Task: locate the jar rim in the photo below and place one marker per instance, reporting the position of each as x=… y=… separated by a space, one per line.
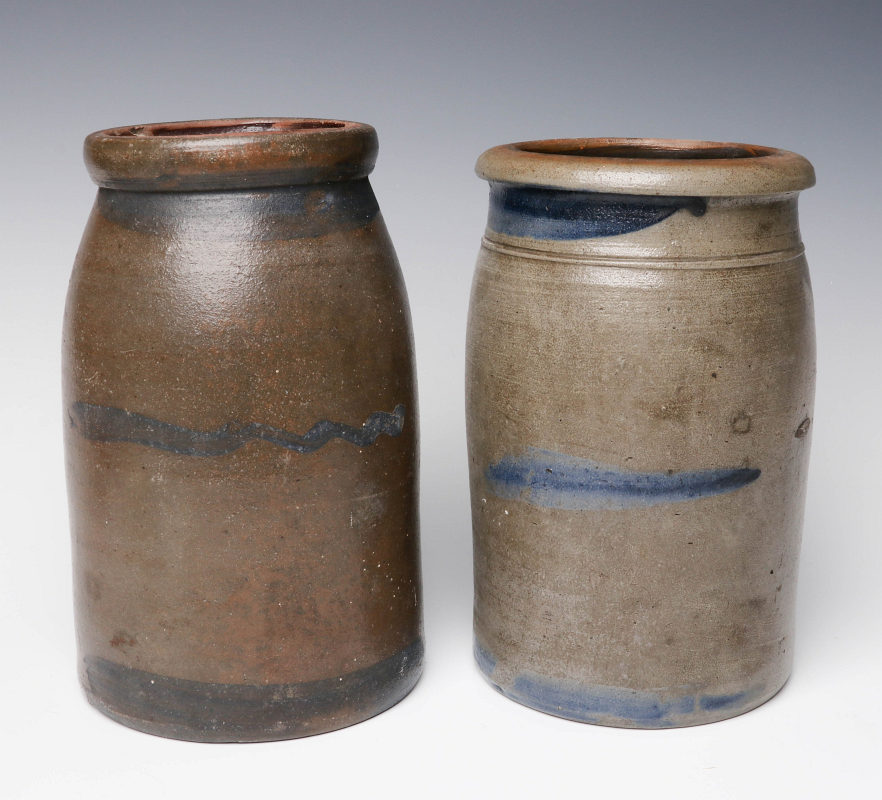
x=244 y=152
x=679 y=167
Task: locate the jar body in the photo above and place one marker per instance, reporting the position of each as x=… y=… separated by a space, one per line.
x=241 y=455
x=640 y=383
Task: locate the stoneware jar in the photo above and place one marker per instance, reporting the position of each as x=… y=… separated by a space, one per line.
x=241 y=433
x=640 y=377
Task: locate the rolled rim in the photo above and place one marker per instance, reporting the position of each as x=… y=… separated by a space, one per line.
x=230 y=153
x=678 y=167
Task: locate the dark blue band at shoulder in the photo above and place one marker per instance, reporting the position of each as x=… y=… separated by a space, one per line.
x=541 y=213
x=270 y=214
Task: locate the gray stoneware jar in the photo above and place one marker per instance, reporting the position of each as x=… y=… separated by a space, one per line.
x=640 y=378
x=241 y=433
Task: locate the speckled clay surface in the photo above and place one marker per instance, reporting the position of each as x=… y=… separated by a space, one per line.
x=241 y=431
x=640 y=377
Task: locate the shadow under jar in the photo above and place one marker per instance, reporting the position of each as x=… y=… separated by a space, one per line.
x=241 y=433
x=640 y=379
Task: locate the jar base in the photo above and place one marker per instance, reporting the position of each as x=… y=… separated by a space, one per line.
x=619 y=707
x=214 y=712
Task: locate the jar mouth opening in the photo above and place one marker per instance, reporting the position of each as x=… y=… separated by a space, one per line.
x=653 y=149
x=660 y=167
x=232 y=153
x=224 y=127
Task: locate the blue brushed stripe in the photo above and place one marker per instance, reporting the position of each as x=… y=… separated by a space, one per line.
x=645 y=709
x=109 y=424
x=617 y=705
x=540 y=213
x=556 y=480
x=271 y=214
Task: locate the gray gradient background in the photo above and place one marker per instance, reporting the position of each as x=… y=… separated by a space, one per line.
x=441 y=82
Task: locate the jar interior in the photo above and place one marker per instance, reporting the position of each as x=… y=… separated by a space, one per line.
x=646 y=149
x=211 y=128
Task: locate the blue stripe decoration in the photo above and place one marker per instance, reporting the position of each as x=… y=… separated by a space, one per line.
x=109 y=424
x=537 y=212
x=631 y=707
x=271 y=214
x=615 y=704
x=556 y=480
x=596 y=703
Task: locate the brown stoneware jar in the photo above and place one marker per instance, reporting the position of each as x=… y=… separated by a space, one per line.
x=241 y=433
x=640 y=377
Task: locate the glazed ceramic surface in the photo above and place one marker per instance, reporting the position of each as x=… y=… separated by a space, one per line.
x=241 y=432
x=640 y=377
